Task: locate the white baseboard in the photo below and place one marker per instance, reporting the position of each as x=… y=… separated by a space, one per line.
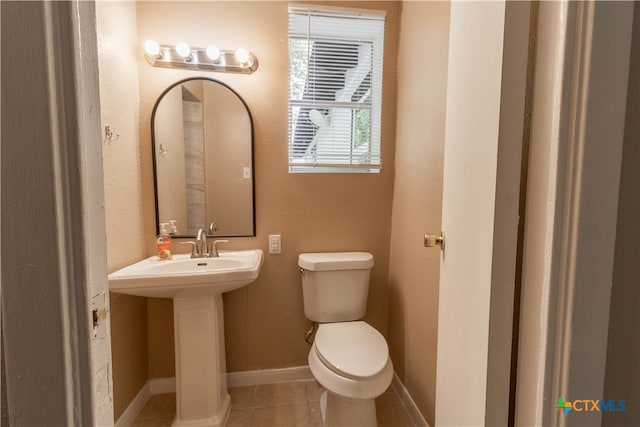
x=268 y=376
x=407 y=401
x=130 y=414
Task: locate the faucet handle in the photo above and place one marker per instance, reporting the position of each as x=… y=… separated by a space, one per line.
x=214 y=247
x=194 y=248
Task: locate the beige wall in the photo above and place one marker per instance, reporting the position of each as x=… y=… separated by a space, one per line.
x=264 y=322
x=622 y=380
x=118 y=64
x=417 y=201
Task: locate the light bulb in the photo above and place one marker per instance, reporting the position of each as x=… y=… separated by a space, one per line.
x=151 y=47
x=183 y=50
x=242 y=55
x=213 y=52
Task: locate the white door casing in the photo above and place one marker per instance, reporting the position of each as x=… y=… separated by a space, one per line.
x=577 y=136
x=53 y=241
x=93 y=218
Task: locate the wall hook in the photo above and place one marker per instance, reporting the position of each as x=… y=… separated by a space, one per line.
x=109 y=136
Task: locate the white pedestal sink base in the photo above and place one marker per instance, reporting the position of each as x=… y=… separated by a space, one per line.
x=201 y=378
x=196 y=286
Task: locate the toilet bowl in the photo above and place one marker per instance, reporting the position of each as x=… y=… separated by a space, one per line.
x=351 y=360
x=348 y=357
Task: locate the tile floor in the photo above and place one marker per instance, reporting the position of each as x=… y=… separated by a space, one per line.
x=294 y=404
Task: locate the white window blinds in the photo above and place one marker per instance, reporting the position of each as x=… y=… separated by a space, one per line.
x=335 y=89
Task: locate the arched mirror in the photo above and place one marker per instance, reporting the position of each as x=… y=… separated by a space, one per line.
x=202 y=136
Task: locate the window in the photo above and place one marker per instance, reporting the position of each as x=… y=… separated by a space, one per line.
x=335 y=89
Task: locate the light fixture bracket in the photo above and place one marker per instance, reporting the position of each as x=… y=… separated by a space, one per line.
x=198 y=60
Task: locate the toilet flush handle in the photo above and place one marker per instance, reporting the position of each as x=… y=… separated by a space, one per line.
x=311 y=333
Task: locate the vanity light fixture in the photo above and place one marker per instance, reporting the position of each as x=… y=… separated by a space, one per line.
x=211 y=58
x=184 y=51
x=213 y=52
x=152 y=47
x=242 y=55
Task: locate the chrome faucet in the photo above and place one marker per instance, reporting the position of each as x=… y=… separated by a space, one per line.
x=201 y=243
x=200 y=248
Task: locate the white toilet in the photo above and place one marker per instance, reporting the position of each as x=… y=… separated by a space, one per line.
x=348 y=356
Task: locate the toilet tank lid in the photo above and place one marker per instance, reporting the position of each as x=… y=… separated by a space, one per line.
x=325 y=261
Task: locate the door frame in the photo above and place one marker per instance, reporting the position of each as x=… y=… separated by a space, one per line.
x=577 y=134
x=53 y=243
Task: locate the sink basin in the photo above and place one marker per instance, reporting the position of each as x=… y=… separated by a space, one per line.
x=184 y=277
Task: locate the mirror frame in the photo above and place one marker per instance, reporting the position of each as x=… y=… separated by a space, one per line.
x=155 y=167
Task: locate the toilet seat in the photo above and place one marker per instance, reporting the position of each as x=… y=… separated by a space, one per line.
x=354 y=350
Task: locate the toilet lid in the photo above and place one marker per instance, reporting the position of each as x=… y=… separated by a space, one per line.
x=352 y=349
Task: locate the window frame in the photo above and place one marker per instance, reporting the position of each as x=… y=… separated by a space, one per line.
x=302 y=29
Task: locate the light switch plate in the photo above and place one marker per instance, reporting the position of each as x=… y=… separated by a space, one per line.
x=275 y=244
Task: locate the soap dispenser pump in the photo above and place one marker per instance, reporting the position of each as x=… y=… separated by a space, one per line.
x=164 y=244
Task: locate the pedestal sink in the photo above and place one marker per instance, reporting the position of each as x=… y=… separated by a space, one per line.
x=196 y=286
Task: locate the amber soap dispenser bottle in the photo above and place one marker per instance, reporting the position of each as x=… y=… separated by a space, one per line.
x=164 y=244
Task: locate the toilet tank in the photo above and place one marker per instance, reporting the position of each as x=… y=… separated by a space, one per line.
x=335 y=285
